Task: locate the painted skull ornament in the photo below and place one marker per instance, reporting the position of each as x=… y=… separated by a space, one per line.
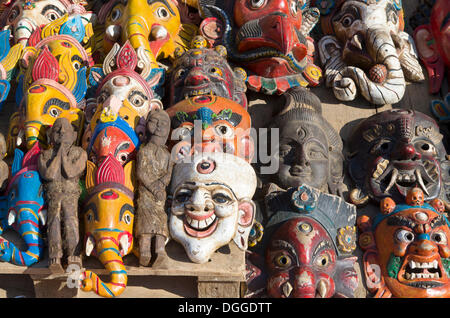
x=309 y=149
x=270 y=38
x=308 y=244
x=221 y=124
x=433 y=44
x=205 y=71
x=211 y=203
x=394 y=151
x=407 y=249
x=365 y=49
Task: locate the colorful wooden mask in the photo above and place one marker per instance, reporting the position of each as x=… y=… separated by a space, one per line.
x=205 y=71
x=23 y=209
x=9 y=57
x=270 y=38
x=394 y=151
x=309 y=238
x=55 y=80
x=407 y=248
x=154 y=25
x=223 y=126
x=309 y=149
x=123 y=91
x=108 y=223
x=365 y=49
x=23 y=17
x=433 y=44
x=211 y=203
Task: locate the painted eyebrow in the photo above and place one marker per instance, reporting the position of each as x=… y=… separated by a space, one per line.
x=56 y=102
x=221 y=184
x=93 y=208
x=125 y=207
x=439 y=221
x=280 y=244
x=51 y=7
x=123 y=146
x=325 y=244
x=447 y=18
x=137 y=93
x=396 y=220
x=77 y=58
x=163 y=1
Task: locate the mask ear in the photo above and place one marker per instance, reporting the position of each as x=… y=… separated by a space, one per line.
x=430 y=57
x=247 y=210
x=372 y=271
x=29 y=53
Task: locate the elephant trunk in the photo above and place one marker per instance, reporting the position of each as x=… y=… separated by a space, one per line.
x=386 y=82
x=110 y=256
x=29 y=231
x=138 y=33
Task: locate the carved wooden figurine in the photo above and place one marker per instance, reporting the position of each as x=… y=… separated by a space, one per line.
x=153 y=171
x=407 y=248
x=270 y=39
x=365 y=49
x=61 y=167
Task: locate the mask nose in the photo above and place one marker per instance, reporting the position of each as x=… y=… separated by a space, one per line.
x=196 y=78
x=406 y=151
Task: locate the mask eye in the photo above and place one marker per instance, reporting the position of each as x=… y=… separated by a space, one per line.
x=256 y=4
x=216 y=71
x=54 y=112
x=102 y=97
x=221 y=198
x=179 y=74
x=136 y=99
x=14 y=14
x=224 y=131
x=404 y=236
x=183 y=196
x=323 y=260
x=127 y=218
x=347 y=20
x=283 y=261
x=382 y=147
x=182 y=133
x=163 y=13
x=89 y=217
x=76 y=65
x=426 y=148
x=439 y=237
x=116 y=14
x=51 y=15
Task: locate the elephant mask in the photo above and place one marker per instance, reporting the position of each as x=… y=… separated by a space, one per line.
x=407 y=248
x=23 y=17
x=393 y=151
x=23 y=209
x=270 y=38
x=9 y=58
x=108 y=221
x=365 y=49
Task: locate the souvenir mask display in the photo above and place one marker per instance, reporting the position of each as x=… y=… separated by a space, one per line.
x=211 y=203
x=9 y=57
x=205 y=71
x=124 y=100
x=309 y=149
x=154 y=25
x=407 y=248
x=394 y=151
x=54 y=83
x=269 y=38
x=23 y=209
x=433 y=44
x=365 y=49
x=108 y=223
x=23 y=17
x=309 y=238
x=225 y=127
